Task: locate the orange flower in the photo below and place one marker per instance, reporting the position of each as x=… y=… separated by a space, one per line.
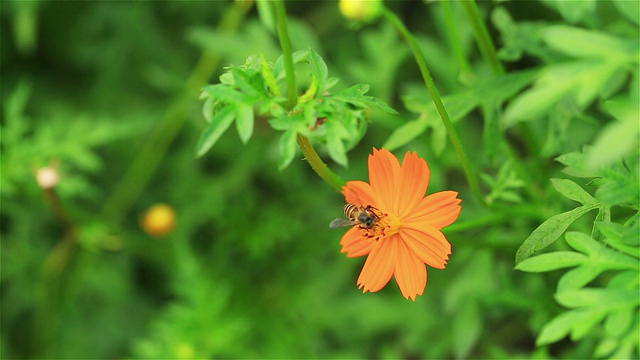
x=406 y=234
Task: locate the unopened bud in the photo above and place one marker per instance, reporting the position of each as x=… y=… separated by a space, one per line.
x=159 y=220
x=47 y=177
x=361 y=10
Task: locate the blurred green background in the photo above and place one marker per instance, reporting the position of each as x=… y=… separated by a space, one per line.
x=108 y=91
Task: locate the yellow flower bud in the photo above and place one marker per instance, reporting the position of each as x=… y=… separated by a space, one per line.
x=361 y=10
x=158 y=220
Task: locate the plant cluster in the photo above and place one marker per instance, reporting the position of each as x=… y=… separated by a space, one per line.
x=134 y=225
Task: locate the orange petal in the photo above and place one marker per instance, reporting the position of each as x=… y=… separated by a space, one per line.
x=410 y=273
x=355 y=244
x=437 y=210
x=428 y=244
x=384 y=174
x=413 y=183
x=359 y=193
x=380 y=264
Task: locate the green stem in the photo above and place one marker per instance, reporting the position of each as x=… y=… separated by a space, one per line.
x=144 y=165
x=482 y=36
x=318 y=165
x=287 y=53
x=306 y=147
x=453 y=136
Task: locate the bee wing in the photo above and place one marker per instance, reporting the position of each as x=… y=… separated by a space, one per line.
x=340 y=223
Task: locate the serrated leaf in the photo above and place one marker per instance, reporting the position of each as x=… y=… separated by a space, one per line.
x=220 y=123
x=552 y=261
x=287 y=147
x=573 y=191
x=244 y=122
x=549 y=231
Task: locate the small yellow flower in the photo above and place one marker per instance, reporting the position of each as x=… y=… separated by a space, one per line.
x=361 y=10
x=159 y=220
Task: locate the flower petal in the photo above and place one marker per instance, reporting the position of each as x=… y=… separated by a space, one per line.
x=414 y=180
x=359 y=193
x=428 y=244
x=437 y=210
x=355 y=244
x=384 y=174
x=380 y=264
x=410 y=273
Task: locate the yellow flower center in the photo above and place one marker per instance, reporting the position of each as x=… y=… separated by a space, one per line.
x=385 y=226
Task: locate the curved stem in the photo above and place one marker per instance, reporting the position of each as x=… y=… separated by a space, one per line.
x=318 y=165
x=453 y=136
x=482 y=36
x=306 y=147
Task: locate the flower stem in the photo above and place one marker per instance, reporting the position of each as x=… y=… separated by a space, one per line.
x=305 y=145
x=482 y=36
x=287 y=53
x=472 y=179
x=318 y=165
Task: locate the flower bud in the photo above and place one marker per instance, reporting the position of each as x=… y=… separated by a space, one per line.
x=47 y=177
x=158 y=220
x=361 y=10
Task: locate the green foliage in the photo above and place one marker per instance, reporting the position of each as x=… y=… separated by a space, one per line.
x=336 y=119
x=106 y=94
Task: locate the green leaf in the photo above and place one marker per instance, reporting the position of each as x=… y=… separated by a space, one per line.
x=250 y=83
x=226 y=94
x=405 y=133
x=269 y=78
x=614 y=142
x=287 y=148
x=335 y=145
x=220 y=123
x=578 y=42
x=576 y=165
x=579 y=277
x=319 y=69
x=629 y=9
x=267 y=17
x=598 y=253
x=208 y=109
x=573 y=191
x=601 y=298
x=552 y=261
x=549 y=231
x=244 y=122
x=560 y=326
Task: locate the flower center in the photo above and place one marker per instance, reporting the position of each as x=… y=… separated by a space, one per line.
x=385 y=226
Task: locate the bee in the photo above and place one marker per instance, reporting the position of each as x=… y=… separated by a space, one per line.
x=356 y=215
